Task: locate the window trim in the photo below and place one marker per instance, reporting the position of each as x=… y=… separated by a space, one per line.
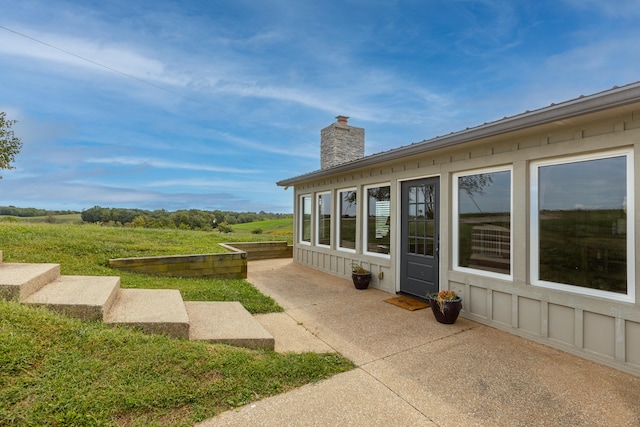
x=317 y=220
x=365 y=220
x=534 y=232
x=456 y=223
x=301 y=219
x=338 y=221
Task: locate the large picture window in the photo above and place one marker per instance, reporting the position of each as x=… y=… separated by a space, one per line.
x=580 y=232
x=324 y=219
x=482 y=222
x=378 y=231
x=347 y=217
x=305 y=219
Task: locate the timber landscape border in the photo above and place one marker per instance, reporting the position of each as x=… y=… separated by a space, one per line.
x=229 y=265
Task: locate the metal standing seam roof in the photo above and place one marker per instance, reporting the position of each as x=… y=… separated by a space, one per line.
x=617 y=96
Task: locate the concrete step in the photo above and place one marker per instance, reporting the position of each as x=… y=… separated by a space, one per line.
x=18 y=281
x=156 y=311
x=83 y=297
x=226 y=323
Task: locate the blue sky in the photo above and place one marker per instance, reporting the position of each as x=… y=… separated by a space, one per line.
x=206 y=104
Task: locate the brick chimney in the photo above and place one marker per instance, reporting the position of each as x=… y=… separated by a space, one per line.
x=340 y=143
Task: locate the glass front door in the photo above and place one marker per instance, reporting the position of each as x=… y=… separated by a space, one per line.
x=420 y=240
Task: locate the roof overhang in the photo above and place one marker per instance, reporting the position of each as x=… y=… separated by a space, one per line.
x=584 y=105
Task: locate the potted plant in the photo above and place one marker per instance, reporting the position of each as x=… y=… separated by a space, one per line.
x=446 y=306
x=360 y=276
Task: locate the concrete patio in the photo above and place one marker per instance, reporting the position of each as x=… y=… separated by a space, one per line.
x=413 y=371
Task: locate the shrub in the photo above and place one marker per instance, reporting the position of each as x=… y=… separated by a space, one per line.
x=224 y=227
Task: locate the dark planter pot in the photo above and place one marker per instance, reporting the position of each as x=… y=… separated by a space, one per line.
x=361 y=281
x=451 y=310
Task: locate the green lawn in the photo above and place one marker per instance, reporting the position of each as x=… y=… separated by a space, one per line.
x=86 y=250
x=56 y=371
x=278 y=229
x=59 y=371
x=52 y=219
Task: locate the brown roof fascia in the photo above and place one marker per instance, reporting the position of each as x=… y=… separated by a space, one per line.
x=612 y=98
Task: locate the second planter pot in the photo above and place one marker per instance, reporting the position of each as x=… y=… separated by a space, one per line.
x=446 y=311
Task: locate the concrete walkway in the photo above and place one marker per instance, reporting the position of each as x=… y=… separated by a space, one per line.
x=413 y=371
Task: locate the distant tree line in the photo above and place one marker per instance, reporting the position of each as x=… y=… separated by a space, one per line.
x=192 y=219
x=31 y=212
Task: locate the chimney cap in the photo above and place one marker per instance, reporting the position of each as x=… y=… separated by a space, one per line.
x=342 y=119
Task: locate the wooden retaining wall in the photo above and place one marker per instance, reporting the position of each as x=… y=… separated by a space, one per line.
x=230 y=265
x=261 y=250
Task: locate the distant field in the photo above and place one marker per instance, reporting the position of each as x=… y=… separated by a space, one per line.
x=281 y=228
x=52 y=219
x=275 y=227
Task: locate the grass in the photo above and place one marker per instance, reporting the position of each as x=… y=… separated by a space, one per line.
x=86 y=250
x=280 y=228
x=53 y=219
x=59 y=371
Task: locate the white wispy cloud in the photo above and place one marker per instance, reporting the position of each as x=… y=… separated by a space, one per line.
x=265 y=147
x=489 y=27
x=85 y=54
x=613 y=8
x=351 y=92
x=202 y=183
x=597 y=57
x=82 y=195
x=166 y=164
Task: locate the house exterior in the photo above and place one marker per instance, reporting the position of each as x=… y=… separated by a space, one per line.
x=531 y=219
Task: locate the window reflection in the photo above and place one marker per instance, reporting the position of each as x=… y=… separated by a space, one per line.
x=324 y=219
x=378 y=219
x=348 y=212
x=305 y=210
x=583 y=224
x=421 y=220
x=484 y=221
